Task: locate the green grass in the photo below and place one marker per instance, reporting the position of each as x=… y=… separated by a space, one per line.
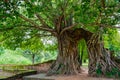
x=9 y=58
x=2 y=77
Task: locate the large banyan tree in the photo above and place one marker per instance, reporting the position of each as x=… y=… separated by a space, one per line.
x=69 y=21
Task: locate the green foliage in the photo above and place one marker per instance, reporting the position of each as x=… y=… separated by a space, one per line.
x=85 y=12
x=9 y=57
x=89 y=14
x=112 y=39
x=98 y=70
x=83 y=49
x=113 y=73
x=44 y=49
x=20 y=56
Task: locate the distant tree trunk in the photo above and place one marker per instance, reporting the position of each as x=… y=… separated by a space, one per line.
x=33 y=58
x=68 y=58
x=99 y=58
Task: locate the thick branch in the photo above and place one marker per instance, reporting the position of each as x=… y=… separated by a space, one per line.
x=41 y=20
x=58 y=23
x=42 y=35
x=45 y=29
x=13 y=27
x=35 y=25
x=67 y=28
x=28 y=20
x=4 y=29
x=103 y=3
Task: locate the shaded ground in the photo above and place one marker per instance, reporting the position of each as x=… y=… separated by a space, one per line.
x=73 y=77
x=14 y=75
x=4 y=74
x=82 y=76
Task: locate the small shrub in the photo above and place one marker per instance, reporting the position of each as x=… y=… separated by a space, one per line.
x=113 y=73
x=99 y=71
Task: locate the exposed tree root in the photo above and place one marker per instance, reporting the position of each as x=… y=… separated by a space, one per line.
x=66 y=66
x=67 y=62
x=100 y=63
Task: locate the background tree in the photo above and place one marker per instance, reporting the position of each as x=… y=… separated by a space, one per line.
x=111 y=39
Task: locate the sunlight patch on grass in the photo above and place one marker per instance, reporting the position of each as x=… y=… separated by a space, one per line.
x=9 y=58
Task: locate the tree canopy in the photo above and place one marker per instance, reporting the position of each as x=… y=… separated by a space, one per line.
x=36 y=18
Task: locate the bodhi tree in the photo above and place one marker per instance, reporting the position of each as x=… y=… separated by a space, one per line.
x=69 y=21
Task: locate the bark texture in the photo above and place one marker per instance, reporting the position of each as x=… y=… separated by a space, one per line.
x=100 y=62
x=68 y=58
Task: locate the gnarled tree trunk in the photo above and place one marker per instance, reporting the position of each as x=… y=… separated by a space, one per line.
x=100 y=62
x=68 y=58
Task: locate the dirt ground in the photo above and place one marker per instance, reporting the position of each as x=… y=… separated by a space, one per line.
x=81 y=76
x=4 y=74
